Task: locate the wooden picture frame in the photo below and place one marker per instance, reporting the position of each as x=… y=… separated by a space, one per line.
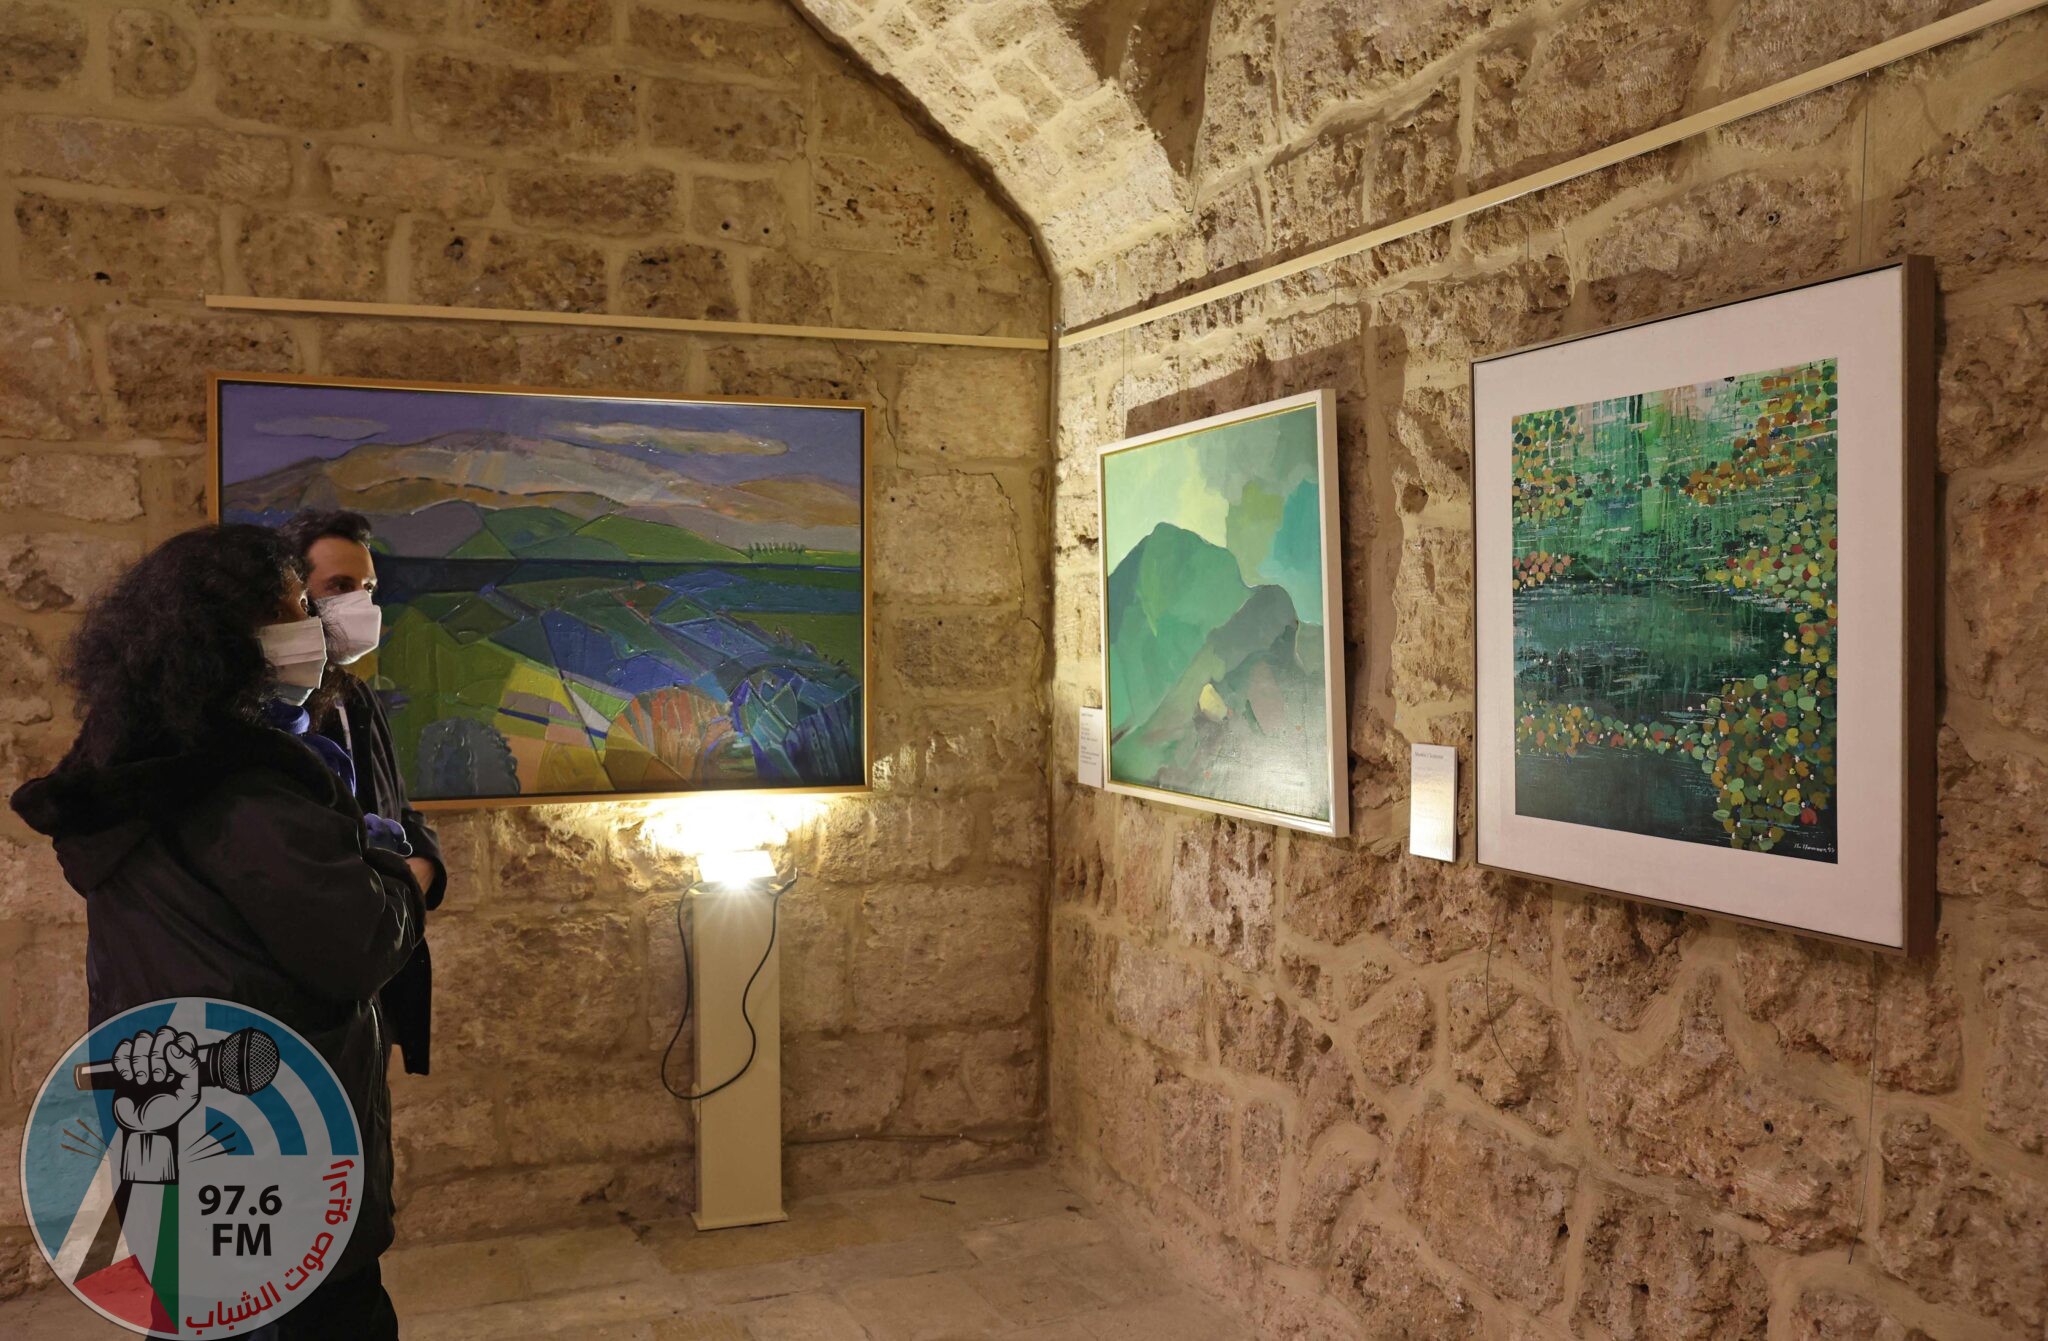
x=1208 y=745
x=1801 y=547
x=769 y=648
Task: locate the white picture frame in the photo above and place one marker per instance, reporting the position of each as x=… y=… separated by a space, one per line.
x=1870 y=883
x=1286 y=774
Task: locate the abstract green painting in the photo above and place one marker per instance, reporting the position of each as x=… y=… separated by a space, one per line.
x=1221 y=625
x=1704 y=591
x=1675 y=616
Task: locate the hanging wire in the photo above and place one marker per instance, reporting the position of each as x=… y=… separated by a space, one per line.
x=1869 y=1114
x=1863 y=186
x=690 y=992
x=1486 y=1003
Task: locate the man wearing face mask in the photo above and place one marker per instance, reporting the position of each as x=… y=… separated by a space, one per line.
x=345 y=718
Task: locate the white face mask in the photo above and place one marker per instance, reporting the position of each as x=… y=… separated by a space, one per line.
x=297 y=652
x=356 y=623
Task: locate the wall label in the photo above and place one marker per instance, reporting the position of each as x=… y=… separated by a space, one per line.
x=1433 y=802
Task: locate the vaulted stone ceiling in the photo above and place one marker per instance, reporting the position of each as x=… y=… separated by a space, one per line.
x=1154 y=142
x=1155 y=51
x=1087 y=112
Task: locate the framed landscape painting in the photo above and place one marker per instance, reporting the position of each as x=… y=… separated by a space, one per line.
x=1705 y=578
x=1222 y=618
x=586 y=596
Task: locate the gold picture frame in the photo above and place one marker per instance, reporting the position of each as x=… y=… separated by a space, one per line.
x=221 y=387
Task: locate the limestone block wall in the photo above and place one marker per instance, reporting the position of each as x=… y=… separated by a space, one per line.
x=666 y=157
x=1377 y=1096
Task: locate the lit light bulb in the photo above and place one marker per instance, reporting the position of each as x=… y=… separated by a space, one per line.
x=736 y=870
x=729 y=822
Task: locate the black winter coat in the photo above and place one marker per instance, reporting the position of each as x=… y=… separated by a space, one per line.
x=238 y=871
x=359 y=725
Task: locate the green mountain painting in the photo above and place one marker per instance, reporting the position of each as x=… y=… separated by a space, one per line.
x=587 y=595
x=1674 y=576
x=1216 y=660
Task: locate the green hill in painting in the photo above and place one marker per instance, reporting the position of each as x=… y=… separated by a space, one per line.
x=550 y=533
x=1264 y=616
x=482 y=545
x=1167 y=596
x=654 y=542
x=522 y=530
x=1254 y=687
x=1218 y=686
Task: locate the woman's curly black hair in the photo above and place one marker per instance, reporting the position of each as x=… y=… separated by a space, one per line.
x=170 y=649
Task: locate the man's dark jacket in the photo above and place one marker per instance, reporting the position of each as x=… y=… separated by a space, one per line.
x=380 y=790
x=238 y=871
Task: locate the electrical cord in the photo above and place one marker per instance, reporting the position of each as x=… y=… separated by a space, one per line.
x=690 y=992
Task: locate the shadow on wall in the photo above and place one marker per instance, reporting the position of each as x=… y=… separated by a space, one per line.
x=1336 y=365
x=1159 y=51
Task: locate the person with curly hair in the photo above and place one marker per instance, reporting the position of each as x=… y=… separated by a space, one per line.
x=347 y=715
x=219 y=856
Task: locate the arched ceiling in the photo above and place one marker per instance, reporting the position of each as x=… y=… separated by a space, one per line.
x=1086 y=112
x=1151 y=143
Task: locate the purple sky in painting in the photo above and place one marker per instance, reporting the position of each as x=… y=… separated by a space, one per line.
x=822 y=441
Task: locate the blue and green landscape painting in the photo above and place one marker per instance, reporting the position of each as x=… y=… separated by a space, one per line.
x=587 y=595
x=1214 y=619
x=1676 y=617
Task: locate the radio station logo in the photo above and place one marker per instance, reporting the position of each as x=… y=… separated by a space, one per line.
x=192 y=1168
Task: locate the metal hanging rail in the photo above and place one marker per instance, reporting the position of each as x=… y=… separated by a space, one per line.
x=1749 y=104
x=609 y=321
x=1848 y=67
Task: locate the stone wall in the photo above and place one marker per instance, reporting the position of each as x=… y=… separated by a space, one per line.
x=1378 y=1096
x=638 y=156
x=1360 y=1092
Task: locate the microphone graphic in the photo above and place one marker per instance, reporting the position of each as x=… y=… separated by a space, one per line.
x=242 y=1063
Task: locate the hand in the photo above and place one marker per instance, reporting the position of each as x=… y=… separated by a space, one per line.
x=150 y=1062
x=423 y=872
x=159 y=1076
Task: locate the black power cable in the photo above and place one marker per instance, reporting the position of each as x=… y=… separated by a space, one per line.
x=690 y=992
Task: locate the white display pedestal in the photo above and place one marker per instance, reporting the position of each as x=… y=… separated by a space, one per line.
x=739 y=1129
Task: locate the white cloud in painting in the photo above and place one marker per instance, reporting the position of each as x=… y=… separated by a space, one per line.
x=687 y=441
x=322 y=426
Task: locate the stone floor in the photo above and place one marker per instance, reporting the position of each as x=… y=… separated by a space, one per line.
x=1013 y=1255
